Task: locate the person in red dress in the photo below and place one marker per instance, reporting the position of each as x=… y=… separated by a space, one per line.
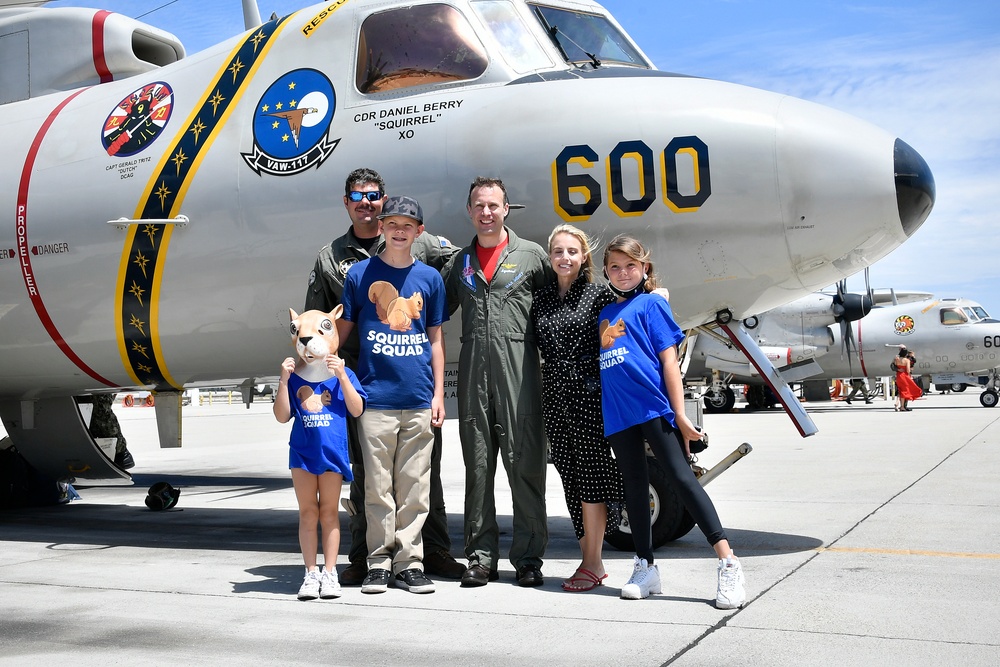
x=906 y=388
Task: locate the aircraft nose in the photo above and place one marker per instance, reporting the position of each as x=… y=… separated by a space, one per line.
x=914 y=187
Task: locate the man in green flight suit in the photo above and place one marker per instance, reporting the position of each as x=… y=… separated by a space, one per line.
x=499 y=386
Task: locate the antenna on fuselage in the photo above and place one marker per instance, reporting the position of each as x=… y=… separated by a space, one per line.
x=251 y=14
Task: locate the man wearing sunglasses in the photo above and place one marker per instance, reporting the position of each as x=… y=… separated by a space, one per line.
x=364 y=196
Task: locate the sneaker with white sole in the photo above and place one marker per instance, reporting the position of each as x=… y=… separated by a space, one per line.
x=376 y=581
x=309 y=590
x=644 y=581
x=415 y=581
x=329 y=586
x=732 y=584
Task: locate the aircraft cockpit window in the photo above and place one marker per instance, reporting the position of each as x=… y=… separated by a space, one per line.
x=950 y=316
x=587 y=38
x=519 y=47
x=417 y=46
x=971 y=314
x=983 y=315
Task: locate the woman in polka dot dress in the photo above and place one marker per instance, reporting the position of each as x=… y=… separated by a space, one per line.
x=565 y=315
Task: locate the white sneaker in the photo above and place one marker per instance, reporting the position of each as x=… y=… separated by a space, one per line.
x=309 y=590
x=329 y=586
x=732 y=592
x=645 y=580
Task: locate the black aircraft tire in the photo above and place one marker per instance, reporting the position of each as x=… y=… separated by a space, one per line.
x=685 y=526
x=666 y=510
x=989 y=398
x=959 y=388
x=719 y=401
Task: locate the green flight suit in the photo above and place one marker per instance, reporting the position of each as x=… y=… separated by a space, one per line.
x=326 y=288
x=500 y=397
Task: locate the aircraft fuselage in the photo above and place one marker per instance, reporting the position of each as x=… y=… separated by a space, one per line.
x=225 y=171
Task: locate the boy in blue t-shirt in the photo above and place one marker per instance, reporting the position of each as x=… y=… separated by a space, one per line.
x=398 y=304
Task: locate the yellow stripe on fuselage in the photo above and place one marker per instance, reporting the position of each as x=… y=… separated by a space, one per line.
x=197 y=135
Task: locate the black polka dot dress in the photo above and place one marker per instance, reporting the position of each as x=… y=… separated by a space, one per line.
x=569 y=342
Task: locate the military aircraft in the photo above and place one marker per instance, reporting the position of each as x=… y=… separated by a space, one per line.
x=166 y=210
x=954 y=340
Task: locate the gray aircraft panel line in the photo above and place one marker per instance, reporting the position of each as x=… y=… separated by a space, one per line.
x=874 y=538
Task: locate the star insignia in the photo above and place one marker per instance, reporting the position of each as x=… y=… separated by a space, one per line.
x=138 y=324
x=163 y=192
x=197 y=128
x=292 y=104
x=151 y=231
x=137 y=291
x=257 y=39
x=216 y=100
x=179 y=159
x=236 y=68
x=278 y=106
x=291 y=85
x=141 y=261
x=141 y=349
x=145 y=369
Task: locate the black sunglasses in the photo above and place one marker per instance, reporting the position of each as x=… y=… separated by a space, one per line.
x=356 y=196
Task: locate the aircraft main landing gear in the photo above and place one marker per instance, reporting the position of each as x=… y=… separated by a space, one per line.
x=991 y=395
x=670 y=521
x=719 y=400
x=989 y=398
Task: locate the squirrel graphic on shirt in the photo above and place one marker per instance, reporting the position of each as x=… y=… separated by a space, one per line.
x=610 y=332
x=396 y=311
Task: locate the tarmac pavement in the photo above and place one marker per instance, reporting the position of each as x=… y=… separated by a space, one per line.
x=873 y=541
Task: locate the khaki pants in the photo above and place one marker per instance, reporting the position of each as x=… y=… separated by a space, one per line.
x=396 y=446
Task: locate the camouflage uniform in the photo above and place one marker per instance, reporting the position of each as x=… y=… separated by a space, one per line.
x=103 y=422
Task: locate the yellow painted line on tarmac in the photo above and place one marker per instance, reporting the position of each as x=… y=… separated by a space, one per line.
x=910 y=552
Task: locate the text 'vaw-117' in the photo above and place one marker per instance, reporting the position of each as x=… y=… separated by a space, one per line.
x=163 y=212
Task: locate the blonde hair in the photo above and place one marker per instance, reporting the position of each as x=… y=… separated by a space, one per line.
x=587 y=265
x=633 y=249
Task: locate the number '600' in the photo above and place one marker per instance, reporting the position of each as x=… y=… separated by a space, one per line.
x=636 y=160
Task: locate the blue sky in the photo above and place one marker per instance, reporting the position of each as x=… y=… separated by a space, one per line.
x=925 y=70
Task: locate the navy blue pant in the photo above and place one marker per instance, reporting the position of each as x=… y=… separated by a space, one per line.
x=665 y=441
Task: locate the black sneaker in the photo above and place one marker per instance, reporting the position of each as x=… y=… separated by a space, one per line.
x=414 y=580
x=376 y=581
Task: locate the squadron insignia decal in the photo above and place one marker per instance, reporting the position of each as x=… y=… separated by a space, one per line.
x=137 y=120
x=903 y=326
x=290 y=124
x=346 y=265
